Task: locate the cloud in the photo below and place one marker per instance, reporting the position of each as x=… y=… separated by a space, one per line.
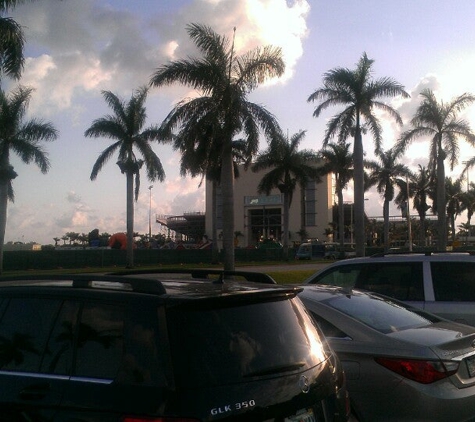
x=279 y=23
x=73 y=197
x=75 y=49
x=91 y=46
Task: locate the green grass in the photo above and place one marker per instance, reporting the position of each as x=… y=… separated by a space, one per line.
x=291 y=276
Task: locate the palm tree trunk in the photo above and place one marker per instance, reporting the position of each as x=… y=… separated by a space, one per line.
x=130 y=220
x=3 y=218
x=423 y=230
x=227 y=192
x=359 y=191
x=286 y=225
x=214 y=228
x=341 y=217
x=441 y=210
x=452 y=224
x=386 y=224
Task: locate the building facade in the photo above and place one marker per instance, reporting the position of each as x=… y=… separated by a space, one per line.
x=258 y=217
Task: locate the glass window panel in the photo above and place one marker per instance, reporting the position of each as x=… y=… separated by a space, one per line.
x=24 y=332
x=59 y=353
x=100 y=342
x=453 y=281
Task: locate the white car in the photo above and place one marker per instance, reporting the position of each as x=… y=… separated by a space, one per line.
x=439 y=282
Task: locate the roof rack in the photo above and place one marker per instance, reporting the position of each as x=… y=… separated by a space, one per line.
x=204 y=274
x=139 y=285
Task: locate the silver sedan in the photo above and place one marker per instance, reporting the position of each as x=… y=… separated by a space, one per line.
x=401 y=363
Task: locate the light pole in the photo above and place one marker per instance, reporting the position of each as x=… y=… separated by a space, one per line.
x=150 y=215
x=468 y=181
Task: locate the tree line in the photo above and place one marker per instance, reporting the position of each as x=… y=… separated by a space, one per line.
x=220 y=128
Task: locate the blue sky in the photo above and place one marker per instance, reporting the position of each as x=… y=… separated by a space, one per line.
x=75 y=49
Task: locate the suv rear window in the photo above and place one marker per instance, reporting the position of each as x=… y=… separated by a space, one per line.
x=237 y=343
x=400 y=280
x=453 y=281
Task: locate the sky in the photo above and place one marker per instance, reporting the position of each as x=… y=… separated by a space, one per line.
x=76 y=49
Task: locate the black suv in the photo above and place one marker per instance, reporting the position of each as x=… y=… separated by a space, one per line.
x=163 y=348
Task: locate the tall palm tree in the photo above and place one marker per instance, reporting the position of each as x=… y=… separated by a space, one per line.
x=440 y=122
x=224 y=81
x=23 y=138
x=126 y=128
x=289 y=167
x=419 y=187
x=361 y=96
x=454 y=207
x=384 y=174
x=339 y=161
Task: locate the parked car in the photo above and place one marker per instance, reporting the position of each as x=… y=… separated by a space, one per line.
x=401 y=363
x=335 y=251
x=441 y=283
x=143 y=347
x=310 y=250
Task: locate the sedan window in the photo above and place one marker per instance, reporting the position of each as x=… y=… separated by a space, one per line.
x=378 y=313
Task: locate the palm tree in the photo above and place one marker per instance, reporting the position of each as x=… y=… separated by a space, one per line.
x=339 y=161
x=419 y=187
x=360 y=94
x=453 y=191
x=197 y=160
x=465 y=230
x=12 y=42
x=384 y=175
x=440 y=122
x=289 y=168
x=126 y=128
x=224 y=81
x=22 y=138
x=468 y=201
x=422 y=183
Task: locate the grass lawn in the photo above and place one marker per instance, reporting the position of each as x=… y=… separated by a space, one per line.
x=291 y=276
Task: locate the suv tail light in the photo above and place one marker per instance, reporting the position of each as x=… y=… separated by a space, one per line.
x=422 y=371
x=158 y=419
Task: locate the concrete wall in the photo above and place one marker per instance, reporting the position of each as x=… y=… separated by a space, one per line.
x=247 y=198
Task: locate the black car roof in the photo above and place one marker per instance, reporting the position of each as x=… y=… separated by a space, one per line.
x=177 y=284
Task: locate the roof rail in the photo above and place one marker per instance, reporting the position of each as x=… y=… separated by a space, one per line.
x=139 y=285
x=426 y=253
